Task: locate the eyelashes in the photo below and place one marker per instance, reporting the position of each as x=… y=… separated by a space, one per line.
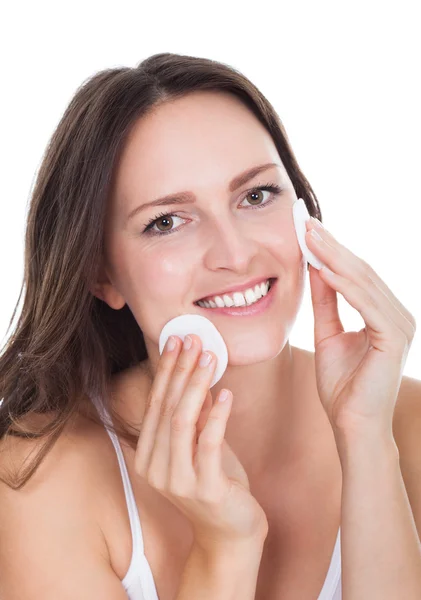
x=273 y=188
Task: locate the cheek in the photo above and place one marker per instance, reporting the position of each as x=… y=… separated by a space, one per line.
x=281 y=239
x=165 y=275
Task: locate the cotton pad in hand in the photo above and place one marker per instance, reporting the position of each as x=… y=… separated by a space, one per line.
x=208 y=333
x=301 y=215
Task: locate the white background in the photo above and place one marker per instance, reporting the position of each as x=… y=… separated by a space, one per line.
x=344 y=78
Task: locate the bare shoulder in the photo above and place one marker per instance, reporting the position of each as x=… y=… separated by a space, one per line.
x=407 y=434
x=63 y=482
x=52 y=522
x=407 y=416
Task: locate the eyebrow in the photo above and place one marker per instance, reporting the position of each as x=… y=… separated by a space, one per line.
x=188 y=197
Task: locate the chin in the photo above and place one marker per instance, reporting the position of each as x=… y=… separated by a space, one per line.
x=246 y=350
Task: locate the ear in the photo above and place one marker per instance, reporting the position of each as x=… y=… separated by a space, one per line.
x=105 y=290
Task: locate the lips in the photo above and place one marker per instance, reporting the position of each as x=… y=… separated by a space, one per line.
x=238 y=288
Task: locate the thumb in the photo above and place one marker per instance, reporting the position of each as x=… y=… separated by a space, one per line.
x=232 y=466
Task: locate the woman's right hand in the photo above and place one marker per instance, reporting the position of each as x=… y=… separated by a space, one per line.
x=187 y=459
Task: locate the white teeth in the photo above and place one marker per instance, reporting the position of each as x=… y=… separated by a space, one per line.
x=228 y=301
x=221 y=302
x=249 y=296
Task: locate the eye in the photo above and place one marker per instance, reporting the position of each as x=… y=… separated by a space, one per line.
x=258 y=192
x=274 y=189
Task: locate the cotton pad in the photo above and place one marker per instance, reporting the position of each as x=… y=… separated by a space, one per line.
x=301 y=215
x=208 y=333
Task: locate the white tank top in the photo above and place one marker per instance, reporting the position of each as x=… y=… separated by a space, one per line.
x=139 y=582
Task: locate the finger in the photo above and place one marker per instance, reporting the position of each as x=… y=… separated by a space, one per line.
x=204 y=413
x=183 y=424
x=327 y=321
x=184 y=367
x=383 y=332
x=147 y=436
x=329 y=238
x=343 y=262
x=208 y=460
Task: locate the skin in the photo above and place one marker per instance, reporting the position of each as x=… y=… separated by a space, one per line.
x=199 y=143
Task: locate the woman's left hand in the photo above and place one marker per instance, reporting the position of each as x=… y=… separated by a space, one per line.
x=358 y=373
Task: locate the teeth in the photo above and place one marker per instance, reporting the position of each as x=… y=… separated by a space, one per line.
x=248 y=297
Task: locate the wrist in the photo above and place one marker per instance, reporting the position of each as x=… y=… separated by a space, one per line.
x=223 y=570
x=365 y=444
x=218 y=550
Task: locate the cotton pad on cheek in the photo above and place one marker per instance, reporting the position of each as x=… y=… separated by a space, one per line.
x=201 y=326
x=301 y=215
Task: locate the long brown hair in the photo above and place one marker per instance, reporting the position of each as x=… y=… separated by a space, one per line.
x=67 y=343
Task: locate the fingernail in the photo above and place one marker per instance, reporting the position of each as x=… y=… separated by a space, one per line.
x=205 y=359
x=317 y=223
x=171 y=343
x=223 y=396
x=187 y=342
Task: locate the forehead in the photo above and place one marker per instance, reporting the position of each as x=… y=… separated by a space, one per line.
x=199 y=140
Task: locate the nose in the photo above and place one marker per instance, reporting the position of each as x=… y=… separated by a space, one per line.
x=230 y=244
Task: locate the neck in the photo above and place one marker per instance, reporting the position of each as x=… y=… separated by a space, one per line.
x=276 y=420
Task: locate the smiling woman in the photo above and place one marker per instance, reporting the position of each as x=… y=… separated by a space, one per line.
x=63 y=351
x=103 y=274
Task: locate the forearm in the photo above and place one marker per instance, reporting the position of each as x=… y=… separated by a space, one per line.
x=228 y=574
x=381 y=550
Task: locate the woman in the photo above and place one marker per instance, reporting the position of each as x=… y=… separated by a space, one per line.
x=256 y=497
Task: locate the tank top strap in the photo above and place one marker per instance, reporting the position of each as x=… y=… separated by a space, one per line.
x=331 y=589
x=136 y=529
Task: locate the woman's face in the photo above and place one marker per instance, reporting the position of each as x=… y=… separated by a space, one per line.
x=221 y=237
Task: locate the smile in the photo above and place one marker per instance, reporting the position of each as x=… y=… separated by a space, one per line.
x=250 y=302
